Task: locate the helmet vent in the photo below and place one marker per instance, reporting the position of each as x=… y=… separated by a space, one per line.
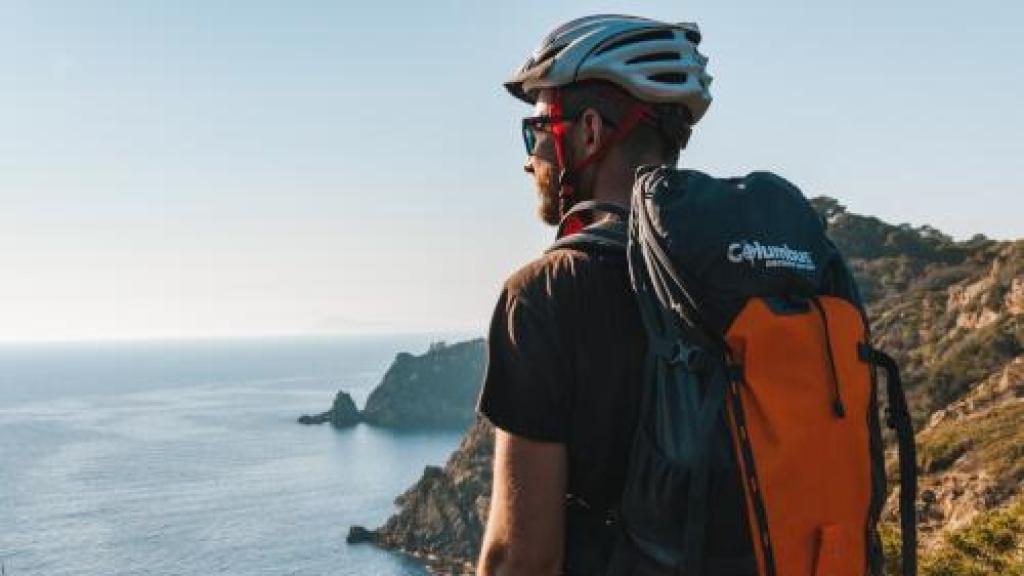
x=551 y=51
x=656 y=57
x=669 y=78
x=636 y=38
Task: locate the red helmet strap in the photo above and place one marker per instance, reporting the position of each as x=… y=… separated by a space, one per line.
x=568 y=175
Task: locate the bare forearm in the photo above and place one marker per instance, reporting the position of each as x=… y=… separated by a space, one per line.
x=496 y=561
x=525 y=524
x=504 y=553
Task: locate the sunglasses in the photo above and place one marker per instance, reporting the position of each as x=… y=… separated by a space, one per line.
x=532 y=125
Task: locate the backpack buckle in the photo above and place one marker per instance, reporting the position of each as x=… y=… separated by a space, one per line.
x=694 y=358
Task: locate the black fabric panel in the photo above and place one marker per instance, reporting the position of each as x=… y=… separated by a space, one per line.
x=732 y=239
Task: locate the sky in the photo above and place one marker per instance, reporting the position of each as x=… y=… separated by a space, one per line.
x=205 y=168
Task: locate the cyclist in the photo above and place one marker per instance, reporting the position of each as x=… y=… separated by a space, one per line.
x=565 y=350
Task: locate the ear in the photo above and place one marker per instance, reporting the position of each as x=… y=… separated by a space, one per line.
x=592 y=131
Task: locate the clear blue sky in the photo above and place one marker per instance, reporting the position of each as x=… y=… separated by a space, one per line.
x=203 y=168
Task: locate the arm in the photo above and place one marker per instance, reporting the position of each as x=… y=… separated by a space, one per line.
x=525 y=531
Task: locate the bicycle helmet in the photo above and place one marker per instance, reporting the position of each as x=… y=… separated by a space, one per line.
x=656 y=62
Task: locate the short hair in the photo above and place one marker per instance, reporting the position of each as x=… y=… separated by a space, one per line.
x=667 y=132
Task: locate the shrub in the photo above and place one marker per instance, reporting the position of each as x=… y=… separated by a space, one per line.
x=991 y=545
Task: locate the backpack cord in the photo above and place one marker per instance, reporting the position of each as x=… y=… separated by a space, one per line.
x=658 y=263
x=837 y=400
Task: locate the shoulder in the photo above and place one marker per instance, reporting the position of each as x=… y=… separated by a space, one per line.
x=559 y=272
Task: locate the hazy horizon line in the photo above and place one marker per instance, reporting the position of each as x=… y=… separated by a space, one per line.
x=461 y=333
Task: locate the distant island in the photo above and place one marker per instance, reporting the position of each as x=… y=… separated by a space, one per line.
x=343 y=413
x=435 y=390
x=953 y=314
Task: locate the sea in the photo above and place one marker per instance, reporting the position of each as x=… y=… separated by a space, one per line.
x=164 y=458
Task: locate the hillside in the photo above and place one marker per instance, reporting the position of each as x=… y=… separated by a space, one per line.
x=953 y=315
x=951 y=312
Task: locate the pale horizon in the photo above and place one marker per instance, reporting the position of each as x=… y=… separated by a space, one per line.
x=221 y=170
x=447 y=336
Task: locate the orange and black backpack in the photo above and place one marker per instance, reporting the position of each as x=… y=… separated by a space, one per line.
x=758 y=448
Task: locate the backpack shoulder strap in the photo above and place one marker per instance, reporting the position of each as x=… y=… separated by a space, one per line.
x=898 y=418
x=608 y=235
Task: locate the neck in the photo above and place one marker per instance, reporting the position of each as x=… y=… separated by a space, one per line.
x=615 y=183
x=613 y=190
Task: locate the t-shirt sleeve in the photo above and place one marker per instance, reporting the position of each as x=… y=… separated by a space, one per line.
x=526 y=381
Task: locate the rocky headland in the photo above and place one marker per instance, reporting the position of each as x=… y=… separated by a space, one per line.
x=437 y=390
x=952 y=313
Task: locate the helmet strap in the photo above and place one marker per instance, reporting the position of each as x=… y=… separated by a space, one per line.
x=568 y=176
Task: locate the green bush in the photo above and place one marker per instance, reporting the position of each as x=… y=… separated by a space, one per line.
x=995 y=440
x=991 y=545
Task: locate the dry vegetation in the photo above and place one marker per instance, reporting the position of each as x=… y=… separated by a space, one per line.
x=953 y=314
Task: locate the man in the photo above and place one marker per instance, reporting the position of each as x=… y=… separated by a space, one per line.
x=566 y=344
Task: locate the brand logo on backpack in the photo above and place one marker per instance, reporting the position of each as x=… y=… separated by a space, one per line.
x=772 y=256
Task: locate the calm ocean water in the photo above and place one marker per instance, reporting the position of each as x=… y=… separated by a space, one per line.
x=184 y=458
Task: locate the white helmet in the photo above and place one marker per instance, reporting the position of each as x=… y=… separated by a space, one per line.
x=656 y=62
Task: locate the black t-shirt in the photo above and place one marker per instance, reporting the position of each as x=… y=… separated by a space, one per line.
x=565 y=358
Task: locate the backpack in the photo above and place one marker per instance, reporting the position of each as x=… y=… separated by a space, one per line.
x=758 y=447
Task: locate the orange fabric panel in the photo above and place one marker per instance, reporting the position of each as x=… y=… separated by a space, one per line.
x=813 y=467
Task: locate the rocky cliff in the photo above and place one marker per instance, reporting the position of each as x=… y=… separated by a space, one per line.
x=442 y=516
x=437 y=389
x=953 y=314
x=434 y=390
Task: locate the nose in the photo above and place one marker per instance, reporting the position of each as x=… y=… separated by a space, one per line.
x=528 y=166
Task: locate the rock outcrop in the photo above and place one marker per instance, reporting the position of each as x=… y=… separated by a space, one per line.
x=971 y=453
x=442 y=517
x=343 y=413
x=952 y=313
x=437 y=389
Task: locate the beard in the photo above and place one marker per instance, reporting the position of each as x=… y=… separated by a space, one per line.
x=547 y=197
x=548 y=202
x=545 y=177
